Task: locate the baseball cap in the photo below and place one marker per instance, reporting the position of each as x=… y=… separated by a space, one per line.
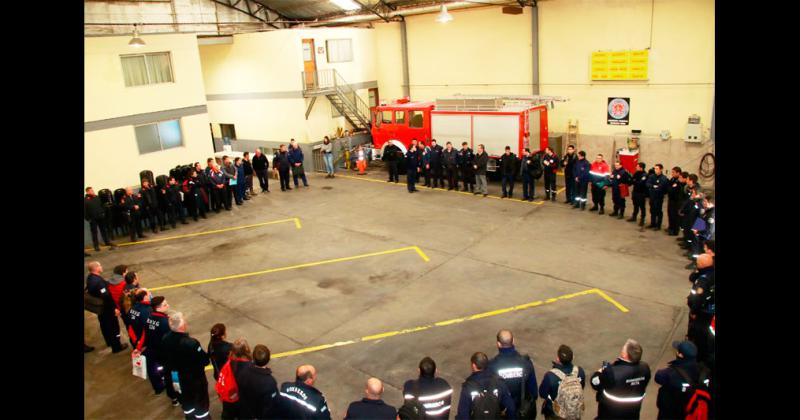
x=687 y=348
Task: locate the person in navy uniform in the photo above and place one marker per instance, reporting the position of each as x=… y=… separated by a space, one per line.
x=392 y=155
x=432 y=392
x=582 y=178
x=132 y=210
x=483 y=378
x=300 y=400
x=185 y=355
x=568 y=163
x=466 y=160
x=527 y=168
x=150 y=208
x=172 y=199
x=137 y=318
x=619 y=176
x=97 y=286
x=281 y=164
x=158 y=369
x=296 y=160
x=435 y=160
x=550 y=163
x=674 y=193
x=639 y=192
x=701 y=303
x=672 y=395
x=516 y=370
x=508 y=169
x=95 y=214
x=621 y=385
x=192 y=196
x=412 y=167
x=657 y=185
x=371 y=407
x=450 y=162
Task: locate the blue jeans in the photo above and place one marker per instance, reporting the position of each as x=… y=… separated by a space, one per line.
x=328 y=157
x=508 y=180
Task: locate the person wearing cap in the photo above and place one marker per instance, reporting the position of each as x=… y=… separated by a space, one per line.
x=621 y=386
x=701 y=303
x=673 y=396
x=371 y=407
x=562 y=367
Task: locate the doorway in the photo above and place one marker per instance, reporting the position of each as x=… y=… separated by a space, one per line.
x=309 y=64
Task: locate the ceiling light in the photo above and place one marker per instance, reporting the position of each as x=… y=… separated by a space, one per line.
x=136 y=41
x=444 y=17
x=346 y=4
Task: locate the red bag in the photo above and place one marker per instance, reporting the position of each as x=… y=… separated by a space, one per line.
x=623 y=190
x=226 y=385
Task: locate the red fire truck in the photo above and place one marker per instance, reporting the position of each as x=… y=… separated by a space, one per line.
x=494 y=121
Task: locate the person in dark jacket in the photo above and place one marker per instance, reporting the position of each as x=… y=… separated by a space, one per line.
x=152 y=346
x=550 y=164
x=639 y=193
x=300 y=400
x=392 y=155
x=258 y=390
x=508 y=170
x=192 y=196
x=186 y=357
x=657 y=185
x=701 y=303
x=132 y=211
x=568 y=163
x=371 y=407
x=582 y=178
x=172 y=198
x=241 y=183
x=425 y=163
x=240 y=358
x=137 y=318
x=466 y=166
x=672 y=395
x=450 y=163
x=281 y=164
x=484 y=378
x=218 y=183
x=296 y=160
x=690 y=210
x=479 y=164
x=260 y=166
x=527 y=168
x=150 y=210
x=517 y=372
x=436 y=162
x=619 y=177
x=231 y=182
x=248 y=176
x=97 y=286
x=412 y=168
x=621 y=386
x=562 y=366
x=433 y=393
x=674 y=192
x=218 y=348
x=95 y=213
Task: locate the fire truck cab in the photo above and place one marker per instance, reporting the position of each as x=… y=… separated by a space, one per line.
x=494 y=121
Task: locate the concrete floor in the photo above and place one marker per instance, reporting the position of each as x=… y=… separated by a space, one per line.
x=485 y=254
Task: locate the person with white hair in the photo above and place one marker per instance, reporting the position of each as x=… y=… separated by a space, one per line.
x=186 y=357
x=621 y=385
x=98 y=287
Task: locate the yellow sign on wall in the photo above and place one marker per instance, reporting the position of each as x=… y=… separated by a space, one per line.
x=620 y=65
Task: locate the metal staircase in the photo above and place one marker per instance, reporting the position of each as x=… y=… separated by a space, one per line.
x=343 y=97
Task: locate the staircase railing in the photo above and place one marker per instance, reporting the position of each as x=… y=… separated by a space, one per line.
x=360 y=107
x=328 y=81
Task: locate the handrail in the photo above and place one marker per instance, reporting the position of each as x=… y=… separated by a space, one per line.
x=330 y=79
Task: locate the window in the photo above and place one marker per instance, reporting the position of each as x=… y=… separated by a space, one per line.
x=399 y=117
x=415 y=119
x=339 y=50
x=376 y=119
x=160 y=136
x=387 y=117
x=147 y=69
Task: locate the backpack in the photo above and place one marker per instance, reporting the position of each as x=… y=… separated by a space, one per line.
x=486 y=405
x=537 y=167
x=226 y=385
x=412 y=409
x=699 y=397
x=569 y=401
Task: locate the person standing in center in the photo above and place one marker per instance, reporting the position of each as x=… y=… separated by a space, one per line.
x=436 y=164
x=639 y=192
x=620 y=179
x=657 y=185
x=568 y=163
x=508 y=169
x=466 y=165
x=296 y=160
x=260 y=166
x=432 y=392
x=518 y=373
x=281 y=164
x=479 y=168
x=550 y=163
x=258 y=390
x=412 y=167
x=674 y=192
x=582 y=176
x=231 y=183
x=186 y=356
x=600 y=173
x=241 y=183
x=392 y=155
x=327 y=155
x=527 y=169
x=450 y=159
x=621 y=386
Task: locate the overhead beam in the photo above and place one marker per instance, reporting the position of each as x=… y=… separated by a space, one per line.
x=364 y=7
x=261 y=12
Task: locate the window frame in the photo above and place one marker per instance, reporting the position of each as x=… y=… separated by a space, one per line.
x=404 y=119
x=391 y=116
x=160 y=142
x=147 y=67
x=328 y=50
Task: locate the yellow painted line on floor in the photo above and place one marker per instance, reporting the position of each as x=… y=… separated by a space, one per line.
x=209 y=232
x=441 y=190
x=297 y=266
x=562 y=189
x=454 y=321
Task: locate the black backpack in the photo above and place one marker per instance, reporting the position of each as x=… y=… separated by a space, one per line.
x=486 y=405
x=412 y=409
x=537 y=170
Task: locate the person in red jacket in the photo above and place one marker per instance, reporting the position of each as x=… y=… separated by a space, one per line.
x=116 y=284
x=600 y=173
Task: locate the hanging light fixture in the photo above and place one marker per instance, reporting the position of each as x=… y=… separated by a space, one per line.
x=136 y=41
x=444 y=17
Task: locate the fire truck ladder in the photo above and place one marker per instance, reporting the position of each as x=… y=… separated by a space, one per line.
x=343 y=97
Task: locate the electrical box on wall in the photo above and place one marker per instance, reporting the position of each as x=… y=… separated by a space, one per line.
x=694 y=130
